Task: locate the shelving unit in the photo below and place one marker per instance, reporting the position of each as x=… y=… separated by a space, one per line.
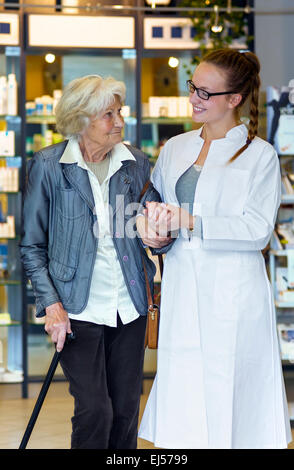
x=278 y=259
x=114 y=62
x=11 y=277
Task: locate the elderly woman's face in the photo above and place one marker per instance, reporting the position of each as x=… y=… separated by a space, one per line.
x=106 y=130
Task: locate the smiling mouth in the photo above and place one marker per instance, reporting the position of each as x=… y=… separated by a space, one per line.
x=197 y=109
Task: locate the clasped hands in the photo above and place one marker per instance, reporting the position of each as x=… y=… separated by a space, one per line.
x=159 y=221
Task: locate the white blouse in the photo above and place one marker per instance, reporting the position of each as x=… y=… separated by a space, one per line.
x=108 y=292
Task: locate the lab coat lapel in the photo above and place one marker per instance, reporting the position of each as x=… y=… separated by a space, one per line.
x=184 y=162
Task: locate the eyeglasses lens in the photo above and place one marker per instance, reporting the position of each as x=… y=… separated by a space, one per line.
x=190 y=86
x=201 y=93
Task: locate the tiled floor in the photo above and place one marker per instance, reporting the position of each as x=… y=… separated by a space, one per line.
x=53 y=427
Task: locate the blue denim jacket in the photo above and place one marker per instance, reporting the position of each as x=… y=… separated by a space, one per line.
x=58 y=245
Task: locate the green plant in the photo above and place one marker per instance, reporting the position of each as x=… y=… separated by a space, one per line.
x=232 y=25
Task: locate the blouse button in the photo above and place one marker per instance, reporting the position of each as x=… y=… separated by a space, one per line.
x=125 y=258
x=132 y=282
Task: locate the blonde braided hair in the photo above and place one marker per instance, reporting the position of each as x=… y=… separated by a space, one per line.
x=242 y=72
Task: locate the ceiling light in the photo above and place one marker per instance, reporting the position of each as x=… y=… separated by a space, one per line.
x=153 y=3
x=216 y=27
x=50 y=58
x=173 y=62
x=247 y=8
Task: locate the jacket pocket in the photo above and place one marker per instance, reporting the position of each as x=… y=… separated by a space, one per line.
x=69 y=226
x=62 y=277
x=60 y=271
x=69 y=203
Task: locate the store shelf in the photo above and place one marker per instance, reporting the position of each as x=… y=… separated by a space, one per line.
x=10 y=156
x=167 y=120
x=17 y=237
x=287 y=199
x=11 y=378
x=40 y=119
x=278 y=252
x=12 y=323
x=284 y=304
x=50 y=119
x=7 y=282
x=10 y=192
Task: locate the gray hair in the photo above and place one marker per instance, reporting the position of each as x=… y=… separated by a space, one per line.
x=84 y=98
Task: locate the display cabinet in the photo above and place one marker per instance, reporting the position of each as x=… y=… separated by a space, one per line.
x=11 y=276
x=52 y=77
x=166 y=110
x=281 y=264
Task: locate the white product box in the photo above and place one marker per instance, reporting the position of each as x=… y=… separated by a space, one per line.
x=286 y=296
x=9 y=180
x=7 y=148
x=183 y=102
x=7 y=229
x=158 y=106
x=172 y=106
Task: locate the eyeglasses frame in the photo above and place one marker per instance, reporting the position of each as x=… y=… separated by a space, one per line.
x=189 y=82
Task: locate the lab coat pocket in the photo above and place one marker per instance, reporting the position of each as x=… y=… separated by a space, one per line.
x=230 y=191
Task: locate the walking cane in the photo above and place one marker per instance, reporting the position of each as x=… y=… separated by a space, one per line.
x=42 y=394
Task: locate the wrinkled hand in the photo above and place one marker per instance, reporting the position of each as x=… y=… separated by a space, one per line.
x=149 y=236
x=57 y=324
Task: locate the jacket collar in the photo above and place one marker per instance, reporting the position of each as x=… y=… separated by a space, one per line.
x=73 y=154
x=76 y=171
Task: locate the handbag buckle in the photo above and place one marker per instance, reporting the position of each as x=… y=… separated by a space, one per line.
x=152 y=310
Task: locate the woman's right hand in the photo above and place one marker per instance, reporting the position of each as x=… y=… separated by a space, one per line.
x=57 y=324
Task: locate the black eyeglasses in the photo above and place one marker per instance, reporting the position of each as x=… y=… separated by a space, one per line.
x=203 y=94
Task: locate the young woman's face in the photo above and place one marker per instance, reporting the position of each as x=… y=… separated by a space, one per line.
x=216 y=108
x=106 y=130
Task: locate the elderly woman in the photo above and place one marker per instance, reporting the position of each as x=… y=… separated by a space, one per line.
x=85 y=263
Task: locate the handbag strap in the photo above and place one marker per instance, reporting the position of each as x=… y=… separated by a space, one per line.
x=145 y=187
x=149 y=295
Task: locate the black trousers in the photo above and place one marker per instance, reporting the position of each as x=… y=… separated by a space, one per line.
x=104 y=367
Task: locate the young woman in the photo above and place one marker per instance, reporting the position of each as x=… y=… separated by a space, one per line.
x=219 y=380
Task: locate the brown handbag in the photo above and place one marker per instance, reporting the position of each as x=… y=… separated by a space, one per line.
x=153 y=314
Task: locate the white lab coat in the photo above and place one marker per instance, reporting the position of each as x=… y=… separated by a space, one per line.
x=219 y=380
